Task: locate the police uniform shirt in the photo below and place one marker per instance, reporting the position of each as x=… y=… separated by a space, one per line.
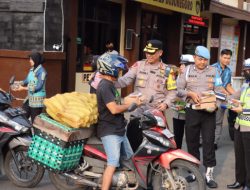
x=196 y=80
x=150 y=79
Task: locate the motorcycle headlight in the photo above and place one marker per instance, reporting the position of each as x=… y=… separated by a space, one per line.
x=166 y=142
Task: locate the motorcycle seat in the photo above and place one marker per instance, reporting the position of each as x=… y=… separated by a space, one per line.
x=94 y=140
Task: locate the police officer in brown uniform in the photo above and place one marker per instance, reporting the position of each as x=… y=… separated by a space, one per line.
x=150 y=77
x=196 y=79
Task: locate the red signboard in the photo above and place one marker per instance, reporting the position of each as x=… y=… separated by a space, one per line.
x=196 y=20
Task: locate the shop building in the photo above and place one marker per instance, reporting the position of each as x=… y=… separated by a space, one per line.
x=22 y=30
x=71 y=32
x=129 y=24
x=230 y=29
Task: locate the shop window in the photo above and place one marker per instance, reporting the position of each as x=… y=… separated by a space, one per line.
x=153 y=26
x=98 y=22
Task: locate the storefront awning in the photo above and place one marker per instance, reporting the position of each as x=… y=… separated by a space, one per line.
x=223 y=9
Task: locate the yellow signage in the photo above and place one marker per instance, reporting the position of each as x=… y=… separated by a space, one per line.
x=191 y=7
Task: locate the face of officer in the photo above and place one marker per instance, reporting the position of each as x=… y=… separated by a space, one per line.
x=200 y=62
x=154 y=57
x=225 y=60
x=246 y=74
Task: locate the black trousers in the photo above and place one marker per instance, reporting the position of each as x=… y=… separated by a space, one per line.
x=31 y=112
x=178 y=125
x=201 y=122
x=242 y=157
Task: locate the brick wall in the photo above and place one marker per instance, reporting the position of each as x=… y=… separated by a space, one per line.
x=22 y=24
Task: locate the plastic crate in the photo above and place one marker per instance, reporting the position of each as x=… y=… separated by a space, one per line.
x=46 y=124
x=56 y=146
x=53 y=153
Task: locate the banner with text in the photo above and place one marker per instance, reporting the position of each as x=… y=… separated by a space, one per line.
x=191 y=7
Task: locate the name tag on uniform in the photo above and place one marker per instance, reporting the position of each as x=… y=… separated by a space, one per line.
x=209 y=75
x=194 y=76
x=160 y=76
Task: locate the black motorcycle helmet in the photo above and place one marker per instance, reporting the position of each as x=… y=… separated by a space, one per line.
x=148 y=120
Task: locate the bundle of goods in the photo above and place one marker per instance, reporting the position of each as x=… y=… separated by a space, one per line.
x=221 y=96
x=74 y=109
x=178 y=105
x=232 y=103
x=207 y=102
x=56 y=146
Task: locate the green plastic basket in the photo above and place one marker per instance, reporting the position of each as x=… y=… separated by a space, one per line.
x=53 y=153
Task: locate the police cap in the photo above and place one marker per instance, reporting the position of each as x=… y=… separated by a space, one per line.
x=202 y=51
x=152 y=46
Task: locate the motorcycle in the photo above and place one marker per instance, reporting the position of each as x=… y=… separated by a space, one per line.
x=15 y=138
x=156 y=164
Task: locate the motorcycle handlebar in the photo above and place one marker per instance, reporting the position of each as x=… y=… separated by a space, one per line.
x=134 y=106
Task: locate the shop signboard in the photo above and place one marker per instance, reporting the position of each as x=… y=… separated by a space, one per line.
x=191 y=7
x=196 y=20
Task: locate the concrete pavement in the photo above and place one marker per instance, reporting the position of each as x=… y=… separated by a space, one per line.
x=224 y=171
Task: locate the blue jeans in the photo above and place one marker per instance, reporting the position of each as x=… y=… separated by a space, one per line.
x=115 y=147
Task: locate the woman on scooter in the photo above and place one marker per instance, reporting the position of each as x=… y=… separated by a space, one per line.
x=111 y=121
x=35 y=85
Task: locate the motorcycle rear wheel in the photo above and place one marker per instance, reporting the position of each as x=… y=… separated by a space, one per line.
x=65 y=183
x=180 y=170
x=30 y=173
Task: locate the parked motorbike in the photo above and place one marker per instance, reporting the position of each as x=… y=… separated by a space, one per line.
x=156 y=164
x=15 y=138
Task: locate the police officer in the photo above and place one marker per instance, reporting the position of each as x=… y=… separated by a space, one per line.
x=150 y=77
x=242 y=133
x=179 y=104
x=196 y=79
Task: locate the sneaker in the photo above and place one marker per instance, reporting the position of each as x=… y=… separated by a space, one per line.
x=209 y=178
x=190 y=178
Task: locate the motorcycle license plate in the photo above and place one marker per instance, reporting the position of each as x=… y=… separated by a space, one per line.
x=167 y=133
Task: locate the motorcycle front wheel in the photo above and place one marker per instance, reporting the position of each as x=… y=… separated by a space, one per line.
x=21 y=171
x=178 y=177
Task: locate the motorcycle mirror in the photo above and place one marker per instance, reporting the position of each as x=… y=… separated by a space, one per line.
x=132 y=107
x=151 y=99
x=12 y=80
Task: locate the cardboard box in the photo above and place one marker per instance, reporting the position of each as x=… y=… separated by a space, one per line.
x=203 y=106
x=207 y=99
x=48 y=125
